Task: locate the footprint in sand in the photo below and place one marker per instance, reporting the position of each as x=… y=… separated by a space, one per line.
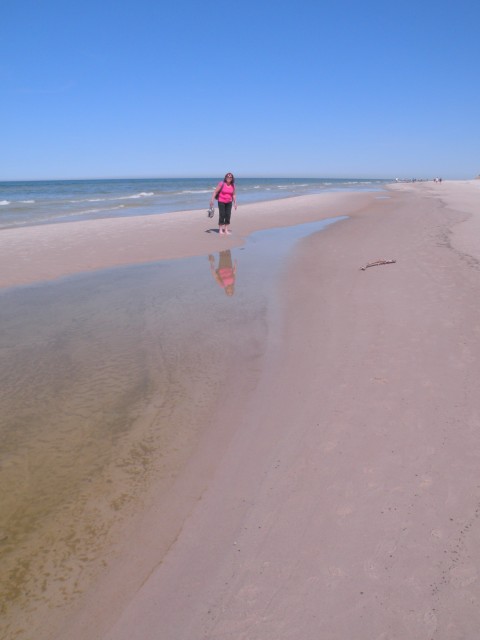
x=385 y=548
x=371 y=569
x=344 y=510
x=329 y=446
x=463 y=576
x=369 y=470
x=425 y=481
x=249 y=594
x=420 y=626
x=430 y=620
x=336 y=572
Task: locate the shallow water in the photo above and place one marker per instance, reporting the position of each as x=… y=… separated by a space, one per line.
x=106 y=382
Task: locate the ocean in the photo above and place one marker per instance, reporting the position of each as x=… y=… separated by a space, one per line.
x=51 y=201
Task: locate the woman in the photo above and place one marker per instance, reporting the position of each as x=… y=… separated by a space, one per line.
x=226 y=197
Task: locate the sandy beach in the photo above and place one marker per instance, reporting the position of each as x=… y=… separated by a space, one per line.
x=327 y=487
x=35 y=254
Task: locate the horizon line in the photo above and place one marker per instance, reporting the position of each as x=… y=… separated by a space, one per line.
x=208 y=177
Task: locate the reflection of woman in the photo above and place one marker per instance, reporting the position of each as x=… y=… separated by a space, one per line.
x=225 y=273
x=226 y=197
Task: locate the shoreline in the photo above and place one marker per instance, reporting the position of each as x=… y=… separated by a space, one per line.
x=41 y=203
x=48 y=252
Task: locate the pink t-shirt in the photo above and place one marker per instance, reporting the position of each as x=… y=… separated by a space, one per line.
x=226 y=195
x=227 y=276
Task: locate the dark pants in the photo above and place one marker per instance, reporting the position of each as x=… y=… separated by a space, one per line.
x=224 y=213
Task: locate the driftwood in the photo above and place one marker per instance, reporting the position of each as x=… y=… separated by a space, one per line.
x=376 y=263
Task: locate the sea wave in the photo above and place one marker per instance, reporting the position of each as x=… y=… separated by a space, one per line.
x=90 y=200
x=4 y=202
x=135 y=196
x=143 y=194
x=198 y=191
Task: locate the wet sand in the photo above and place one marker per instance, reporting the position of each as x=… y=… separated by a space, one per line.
x=335 y=487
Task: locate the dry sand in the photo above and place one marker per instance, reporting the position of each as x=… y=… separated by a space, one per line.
x=342 y=497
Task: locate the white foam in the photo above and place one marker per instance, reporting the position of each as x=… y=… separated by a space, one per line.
x=4 y=202
x=90 y=200
x=198 y=191
x=136 y=196
x=143 y=194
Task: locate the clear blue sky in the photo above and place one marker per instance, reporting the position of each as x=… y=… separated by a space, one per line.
x=142 y=88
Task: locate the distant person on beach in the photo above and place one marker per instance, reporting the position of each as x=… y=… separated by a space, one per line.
x=226 y=271
x=225 y=193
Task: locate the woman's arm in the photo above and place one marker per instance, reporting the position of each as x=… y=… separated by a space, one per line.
x=216 y=191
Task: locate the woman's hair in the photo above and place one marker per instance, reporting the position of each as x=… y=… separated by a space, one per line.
x=229 y=174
